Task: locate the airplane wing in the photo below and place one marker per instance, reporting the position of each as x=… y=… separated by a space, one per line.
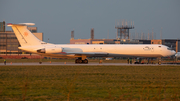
x=89 y=54
x=97 y=54
x=79 y=52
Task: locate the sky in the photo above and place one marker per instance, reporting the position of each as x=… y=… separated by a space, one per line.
x=57 y=18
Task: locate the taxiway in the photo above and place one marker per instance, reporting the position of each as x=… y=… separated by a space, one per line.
x=73 y=64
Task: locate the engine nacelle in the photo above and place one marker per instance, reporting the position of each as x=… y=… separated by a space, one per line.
x=50 y=50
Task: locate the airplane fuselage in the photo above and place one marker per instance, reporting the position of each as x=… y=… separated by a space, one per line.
x=111 y=50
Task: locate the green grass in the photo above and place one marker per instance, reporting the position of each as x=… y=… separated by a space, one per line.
x=90 y=83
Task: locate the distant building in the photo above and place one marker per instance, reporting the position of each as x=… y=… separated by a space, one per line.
x=104 y=41
x=145 y=41
x=2 y=26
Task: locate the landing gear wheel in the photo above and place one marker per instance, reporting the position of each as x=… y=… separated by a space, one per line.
x=78 y=61
x=159 y=61
x=85 y=61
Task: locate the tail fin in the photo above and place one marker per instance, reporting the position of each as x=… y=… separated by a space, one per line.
x=24 y=36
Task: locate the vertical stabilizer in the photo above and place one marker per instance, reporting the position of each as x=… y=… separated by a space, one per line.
x=24 y=36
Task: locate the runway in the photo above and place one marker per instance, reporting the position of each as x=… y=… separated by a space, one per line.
x=73 y=64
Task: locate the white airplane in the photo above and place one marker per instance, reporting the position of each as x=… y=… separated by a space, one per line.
x=32 y=44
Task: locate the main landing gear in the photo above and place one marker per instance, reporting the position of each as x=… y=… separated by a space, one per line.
x=79 y=60
x=159 y=60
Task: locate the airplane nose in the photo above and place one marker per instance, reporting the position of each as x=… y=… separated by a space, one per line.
x=173 y=52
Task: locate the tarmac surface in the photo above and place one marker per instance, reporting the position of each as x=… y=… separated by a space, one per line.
x=73 y=64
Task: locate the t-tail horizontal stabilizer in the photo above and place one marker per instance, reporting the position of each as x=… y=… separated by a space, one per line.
x=21 y=24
